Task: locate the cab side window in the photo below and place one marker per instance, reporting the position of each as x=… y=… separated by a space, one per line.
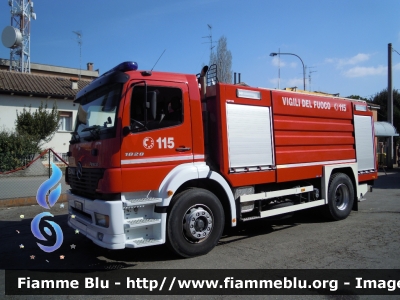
x=155 y=108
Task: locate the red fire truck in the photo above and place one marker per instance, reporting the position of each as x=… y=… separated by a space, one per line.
x=173 y=158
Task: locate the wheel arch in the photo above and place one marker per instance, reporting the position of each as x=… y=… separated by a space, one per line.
x=199 y=175
x=350 y=170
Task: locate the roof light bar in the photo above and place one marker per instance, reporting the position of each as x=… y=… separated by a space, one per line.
x=126 y=66
x=123 y=67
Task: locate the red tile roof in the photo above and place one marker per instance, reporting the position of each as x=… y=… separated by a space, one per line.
x=38 y=85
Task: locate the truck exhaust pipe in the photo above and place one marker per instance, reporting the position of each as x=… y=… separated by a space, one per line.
x=203 y=83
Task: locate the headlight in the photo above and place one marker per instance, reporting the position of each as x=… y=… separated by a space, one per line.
x=102 y=220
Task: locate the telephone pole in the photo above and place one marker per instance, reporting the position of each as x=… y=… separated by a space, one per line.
x=389 y=157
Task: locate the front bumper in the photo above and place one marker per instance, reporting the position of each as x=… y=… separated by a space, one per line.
x=132 y=222
x=83 y=221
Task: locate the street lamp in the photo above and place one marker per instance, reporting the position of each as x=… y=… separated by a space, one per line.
x=304 y=69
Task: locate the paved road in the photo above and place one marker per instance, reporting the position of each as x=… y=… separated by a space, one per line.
x=368 y=239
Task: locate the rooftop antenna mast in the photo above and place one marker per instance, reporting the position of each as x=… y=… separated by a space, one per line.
x=210 y=38
x=79 y=39
x=279 y=69
x=17 y=36
x=309 y=77
x=157 y=60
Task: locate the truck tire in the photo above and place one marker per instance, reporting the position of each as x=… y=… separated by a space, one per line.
x=195 y=223
x=340 y=197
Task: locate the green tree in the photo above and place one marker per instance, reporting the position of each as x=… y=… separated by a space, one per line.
x=41 y=124
x=357 y=97
x=223 y=60
x=14 y=149
x=381 y=100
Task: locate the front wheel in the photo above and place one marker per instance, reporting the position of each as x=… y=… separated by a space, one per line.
x=340 y=196
x=195 y=223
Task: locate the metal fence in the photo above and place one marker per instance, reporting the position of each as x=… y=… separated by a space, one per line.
x=24 y=181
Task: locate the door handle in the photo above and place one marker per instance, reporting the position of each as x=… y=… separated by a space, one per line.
x=182 y=149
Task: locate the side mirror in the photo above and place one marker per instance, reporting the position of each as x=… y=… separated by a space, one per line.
x=82 y=115
x=126 y=130
x=152 y=103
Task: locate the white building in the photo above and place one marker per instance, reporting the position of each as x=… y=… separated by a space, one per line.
x=49 y=84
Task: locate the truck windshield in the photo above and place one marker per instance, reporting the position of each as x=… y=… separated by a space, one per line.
x=97 y=113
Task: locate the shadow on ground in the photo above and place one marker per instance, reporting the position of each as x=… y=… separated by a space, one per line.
x=19 y=249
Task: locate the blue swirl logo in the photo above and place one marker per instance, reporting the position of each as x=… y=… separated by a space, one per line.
x=45 y=187
x=41 y=200
x=36 y=232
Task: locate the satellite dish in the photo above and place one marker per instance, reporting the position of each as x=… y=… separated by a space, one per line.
x=11 y=37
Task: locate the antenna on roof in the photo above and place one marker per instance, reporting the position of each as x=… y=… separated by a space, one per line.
x=210 y=38
x=157 y=60
x=79 y=39
x=17 y=37
x=309 y=77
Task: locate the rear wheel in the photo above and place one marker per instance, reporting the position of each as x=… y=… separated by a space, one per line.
x=195 y=223
x=340 y=197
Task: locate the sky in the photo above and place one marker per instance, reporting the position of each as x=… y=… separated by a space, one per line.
x=343 y=43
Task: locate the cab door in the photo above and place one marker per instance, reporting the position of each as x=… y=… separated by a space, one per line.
x=156 y=133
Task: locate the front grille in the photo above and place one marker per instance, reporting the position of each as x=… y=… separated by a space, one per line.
x=85 y=186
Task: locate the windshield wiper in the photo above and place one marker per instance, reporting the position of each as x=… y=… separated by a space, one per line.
x=75 y=138
x=94 y=131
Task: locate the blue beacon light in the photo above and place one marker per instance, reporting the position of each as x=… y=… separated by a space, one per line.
x=126 y=66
